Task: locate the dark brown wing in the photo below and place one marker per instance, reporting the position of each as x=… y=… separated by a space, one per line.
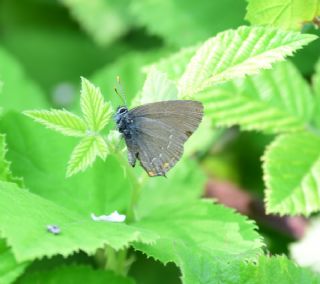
x=161 y=130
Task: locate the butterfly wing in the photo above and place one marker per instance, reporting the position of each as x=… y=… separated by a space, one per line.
x=160 y=131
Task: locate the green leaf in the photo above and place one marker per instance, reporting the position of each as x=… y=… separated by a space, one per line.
x=40 y=155
x=128 y=68
x=316 y=79
x=276 y=100
x=202 y=139
x=185 y=183
x=104 y=20
x=175 y=64
x=10 y=270
x=102 y=147
x=291 y=172
x=201 y=268
x=236 y=53
x=277 y=269
x=83 y=155
x=74 y=274
x=96 y=111
x=18 y=91
x=61 y=121
x=284 y=14
x=23 y=224
x=5 y=171
x=157 y=87
x=316 y=88
x=188 y=22
x=202 y=226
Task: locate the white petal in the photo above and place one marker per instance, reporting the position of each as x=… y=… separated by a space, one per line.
x=113 y=217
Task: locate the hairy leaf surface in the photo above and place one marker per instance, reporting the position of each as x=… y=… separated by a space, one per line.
x=276 y=100
x=61 y=121
x=236 y=53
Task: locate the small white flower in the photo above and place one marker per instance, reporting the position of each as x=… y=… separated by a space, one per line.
x=54 y=229
x=113 y=217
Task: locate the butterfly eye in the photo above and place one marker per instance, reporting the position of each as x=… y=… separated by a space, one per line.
x=122 y=110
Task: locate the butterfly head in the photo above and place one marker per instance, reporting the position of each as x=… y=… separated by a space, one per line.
x=121 y=111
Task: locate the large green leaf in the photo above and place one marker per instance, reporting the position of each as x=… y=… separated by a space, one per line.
x=201 y=268
x=292 y=174
x=202 y=226
x=185 y=183
x=24 y=218
x=74 y=274
x=40 y=156
x=275 y=100
x=236 y=53
x=286 y=14
x=10 y=269
x=187 y=22
x=175 y=64
x=18 y=92
x=104 y=20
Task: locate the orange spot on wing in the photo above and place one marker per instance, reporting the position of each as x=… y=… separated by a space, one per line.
x=151 y=173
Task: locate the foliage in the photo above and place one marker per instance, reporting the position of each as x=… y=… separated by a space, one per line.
x=22 y=91
x=237 y=53
x=187 y=22
x=263 y=102
x=96 y=114
x=105 y=21
x=279 y=269
x=58 y=166
x=10 y=269
x=283 y=13
x=77 y=231
x=316 y=88
x=70 y=274
x=293 y=190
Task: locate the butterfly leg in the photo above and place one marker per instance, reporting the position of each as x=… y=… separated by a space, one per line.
x=131 y=158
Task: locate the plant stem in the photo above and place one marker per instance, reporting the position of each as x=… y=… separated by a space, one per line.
x=136 y=188
x=116 y=260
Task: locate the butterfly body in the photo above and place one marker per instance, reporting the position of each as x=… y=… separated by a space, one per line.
x=156 y=132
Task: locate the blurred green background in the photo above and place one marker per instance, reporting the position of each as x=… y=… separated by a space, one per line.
x=53 y=43
x=56 y=42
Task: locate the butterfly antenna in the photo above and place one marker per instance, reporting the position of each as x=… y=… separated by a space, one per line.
x=119 y=91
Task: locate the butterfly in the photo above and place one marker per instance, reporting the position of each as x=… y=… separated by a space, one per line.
x=156 y=132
